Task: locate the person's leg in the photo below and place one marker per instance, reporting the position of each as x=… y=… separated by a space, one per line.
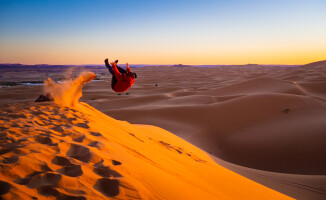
x=109 y=68
x=107 y=65
x=114 y=79
x=116 y=72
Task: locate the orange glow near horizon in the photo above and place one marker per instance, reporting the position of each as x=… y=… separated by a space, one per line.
x=64 y=56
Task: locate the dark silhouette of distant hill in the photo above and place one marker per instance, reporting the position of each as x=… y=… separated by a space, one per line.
x=318 y=64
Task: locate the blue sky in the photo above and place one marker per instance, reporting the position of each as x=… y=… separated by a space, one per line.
x=163 y=32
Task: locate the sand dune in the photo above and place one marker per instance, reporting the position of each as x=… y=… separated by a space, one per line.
x=294 y=185
x=265 y=120
x=247 y=129
x=81 y=153
x=262 y=85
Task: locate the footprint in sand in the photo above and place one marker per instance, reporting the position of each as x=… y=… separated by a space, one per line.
x=115 y=162
x=47 y=191
x=107 y=185
x=4 y=188
x=62 y=161
x=9 y=160
x=82 y=125
x=80 y=153
x=44 y=140
x=180 y=151
x=96 y=144
x=106 y=172
x=72 y=171
x=68 y=168
x=44 y=179
x=39 y=179
x=46 y=168
x=96 y=134
x=77 y=137
x=58 y=129
x=9 y=144
x=26 y=179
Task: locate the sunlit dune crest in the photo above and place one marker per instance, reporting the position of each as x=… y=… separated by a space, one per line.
x=51 y=150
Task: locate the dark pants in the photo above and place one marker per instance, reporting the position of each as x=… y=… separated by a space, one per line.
x=114 y=79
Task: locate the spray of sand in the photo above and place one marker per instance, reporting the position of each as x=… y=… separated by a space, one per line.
x=69 y=92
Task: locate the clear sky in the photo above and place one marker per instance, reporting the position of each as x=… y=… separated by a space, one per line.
x=163 y=31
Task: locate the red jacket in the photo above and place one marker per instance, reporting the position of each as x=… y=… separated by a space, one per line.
x=124 y=82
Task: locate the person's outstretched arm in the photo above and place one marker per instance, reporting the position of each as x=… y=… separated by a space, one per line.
x=128 y=68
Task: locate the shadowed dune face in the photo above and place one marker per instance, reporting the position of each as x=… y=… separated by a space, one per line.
x=109 y=187
x=4 y=187
x=269 y=118
x=79 y=152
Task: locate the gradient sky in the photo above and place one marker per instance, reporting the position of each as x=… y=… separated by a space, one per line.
x=163 y=32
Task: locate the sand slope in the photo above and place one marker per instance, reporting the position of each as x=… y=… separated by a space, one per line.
x=294 y=185
x=52 y=151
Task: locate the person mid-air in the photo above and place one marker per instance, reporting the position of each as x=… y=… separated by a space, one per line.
x=122 y=79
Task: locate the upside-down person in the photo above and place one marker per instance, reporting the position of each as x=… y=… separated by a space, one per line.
x=122 y=79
